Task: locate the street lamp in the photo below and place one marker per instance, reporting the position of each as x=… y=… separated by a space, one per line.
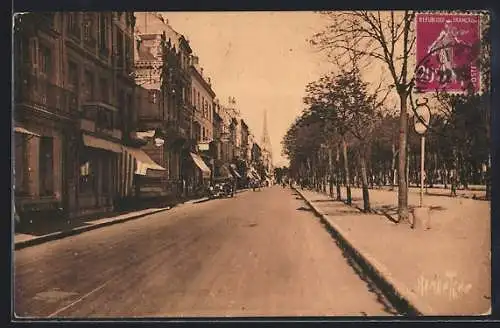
x=422 y=118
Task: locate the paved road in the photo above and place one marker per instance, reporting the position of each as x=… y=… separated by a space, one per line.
x=259 y=254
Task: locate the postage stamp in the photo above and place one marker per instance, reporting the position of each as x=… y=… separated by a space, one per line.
x=447 y=51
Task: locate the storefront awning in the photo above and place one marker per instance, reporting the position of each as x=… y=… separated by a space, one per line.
x=24 y=131
x=145 y=134
x=254 y=173
x=144 y=162
x=95 y=142
x=201 y=165
x=225 y=172
x=235 y=171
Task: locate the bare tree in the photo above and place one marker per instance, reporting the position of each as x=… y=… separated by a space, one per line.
x=389 y=38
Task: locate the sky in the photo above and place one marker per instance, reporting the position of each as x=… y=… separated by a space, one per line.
x=260 y=58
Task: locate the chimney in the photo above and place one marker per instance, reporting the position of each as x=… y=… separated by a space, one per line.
x=195 y=60
x=209 y=81
x=201 y=71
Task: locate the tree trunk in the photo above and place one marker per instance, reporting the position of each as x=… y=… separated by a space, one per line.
x=330 y=172
x=403 y=186
x=364 y=181
x=346 y=168
x=339 y=180
x=393 y=167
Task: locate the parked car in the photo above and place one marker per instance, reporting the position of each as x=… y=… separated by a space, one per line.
x=223 y=187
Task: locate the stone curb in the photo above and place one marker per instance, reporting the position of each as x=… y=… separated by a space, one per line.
x=76 y=231
x=404 y=300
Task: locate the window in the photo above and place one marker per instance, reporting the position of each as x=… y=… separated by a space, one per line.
x=21 y=163
x=89 y=86
x=203 y=106
x=73 y=25
x=22 y=55
x=103 y=31
x=45 y=61
x=46 y=166
x=104 y=119
x=104 y=87
x=198 y=100
x=120 y=58
x=73 y=76
x=88 y=25
x=129 y=54
x=153 y=96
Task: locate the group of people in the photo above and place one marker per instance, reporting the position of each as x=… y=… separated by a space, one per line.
x=285 y=182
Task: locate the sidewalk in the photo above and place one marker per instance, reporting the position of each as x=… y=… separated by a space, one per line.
x=477 y=192
x=442 y=271
x=35 y=234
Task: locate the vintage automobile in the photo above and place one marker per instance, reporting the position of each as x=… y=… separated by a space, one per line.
x=222 y=187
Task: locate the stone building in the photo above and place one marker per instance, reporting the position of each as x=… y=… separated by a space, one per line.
x=163 y=65
x=202 y=101
x=73 y=98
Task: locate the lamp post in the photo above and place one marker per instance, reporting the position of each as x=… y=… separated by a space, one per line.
x=422 y=119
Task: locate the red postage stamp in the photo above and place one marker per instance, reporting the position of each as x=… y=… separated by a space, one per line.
x=447 y=52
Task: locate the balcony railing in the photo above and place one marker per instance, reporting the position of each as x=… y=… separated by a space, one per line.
x=103 y=114
x=38 y=92
x=104 y=53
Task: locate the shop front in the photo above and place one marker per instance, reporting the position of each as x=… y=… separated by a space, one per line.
x=38 y=169
x=98 y=175
x=149 y=178
x=202 y=174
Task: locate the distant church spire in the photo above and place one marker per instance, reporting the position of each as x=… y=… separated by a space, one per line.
x=266 y=141
x=265 y=133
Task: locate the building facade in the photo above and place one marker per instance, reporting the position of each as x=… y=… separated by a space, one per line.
x=202 y=101
x=169 y=52
x=72 y=79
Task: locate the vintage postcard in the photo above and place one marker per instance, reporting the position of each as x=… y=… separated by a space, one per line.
x=242 y=164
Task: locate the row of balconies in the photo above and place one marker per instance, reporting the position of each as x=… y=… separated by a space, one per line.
x=29 y=89
x=95 y=116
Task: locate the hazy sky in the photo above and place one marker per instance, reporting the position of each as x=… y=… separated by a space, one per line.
x=260 y=58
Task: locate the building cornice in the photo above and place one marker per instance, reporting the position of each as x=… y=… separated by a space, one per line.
x=200 y=78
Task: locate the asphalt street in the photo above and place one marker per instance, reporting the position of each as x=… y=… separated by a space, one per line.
x=261 y=253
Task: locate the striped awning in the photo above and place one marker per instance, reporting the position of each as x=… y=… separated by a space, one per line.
x=143 y=161
x=94 y=142
x=235 y=170
x=225 y=172
x=25 y=131
x=201 y=165
x=254 y=173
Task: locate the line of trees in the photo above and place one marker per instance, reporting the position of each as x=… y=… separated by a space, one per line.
x=347 y=136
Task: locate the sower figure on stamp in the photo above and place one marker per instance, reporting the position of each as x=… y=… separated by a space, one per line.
x=442 y=47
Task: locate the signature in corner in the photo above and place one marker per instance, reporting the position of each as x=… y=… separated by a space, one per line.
x=448 y=286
